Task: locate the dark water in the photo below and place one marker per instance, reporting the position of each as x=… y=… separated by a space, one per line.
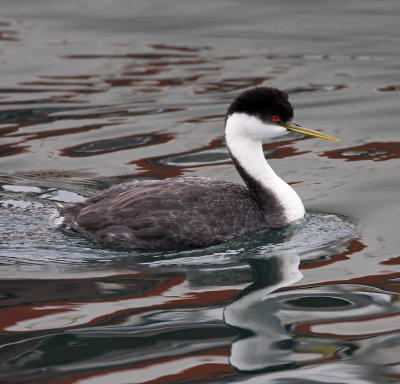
x=93 y=93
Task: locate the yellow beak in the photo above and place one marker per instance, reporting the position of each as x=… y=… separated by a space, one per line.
x=297 y=128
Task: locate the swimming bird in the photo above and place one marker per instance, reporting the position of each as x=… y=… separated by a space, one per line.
x=192 y=212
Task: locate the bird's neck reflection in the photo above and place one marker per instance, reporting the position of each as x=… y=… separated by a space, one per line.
x=255 y=315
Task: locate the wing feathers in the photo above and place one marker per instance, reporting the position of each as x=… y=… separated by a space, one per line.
x=187 y=212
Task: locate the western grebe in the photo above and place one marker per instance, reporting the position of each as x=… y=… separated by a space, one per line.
x=193 y=212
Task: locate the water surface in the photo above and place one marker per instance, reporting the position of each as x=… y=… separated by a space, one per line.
x=97 y=93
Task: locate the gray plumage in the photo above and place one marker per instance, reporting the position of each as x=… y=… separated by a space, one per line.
x=163 y=214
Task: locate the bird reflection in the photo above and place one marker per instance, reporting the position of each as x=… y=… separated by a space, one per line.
x=263 y=343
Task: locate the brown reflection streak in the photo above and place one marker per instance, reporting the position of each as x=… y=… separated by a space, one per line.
x=141 y=56
x=12 y=149
x=10 y=129
x=280 y=57
x=153 y=167
x=155 y=138
x=68 y=290
x=125 y=82
x=328 y=87
x=203 y=370
x=200 y=372
x=70 y=77
x=29 y=312
x=382 y=282
x=154 y=171
x=144 y=72
x=283 y=149
x=45 y=118
x=390 y=88
x=306 y=329
x=375 y=151
x=177 y=62
x=285 y=152
x=16 y=148
x=391 y=261
x=355 y=246
x=147 y=287
x=237 y=57
x=60 y=132
x=229 y=85
x=177 y=81
x=8 y=35
x=59 y=99
x=179 y=48
x=52 y=83
x=204 y=118
x=30 y=90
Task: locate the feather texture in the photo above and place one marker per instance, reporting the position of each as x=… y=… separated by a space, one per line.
x=172 y=213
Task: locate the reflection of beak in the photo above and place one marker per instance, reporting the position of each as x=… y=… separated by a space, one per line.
x=292 y=126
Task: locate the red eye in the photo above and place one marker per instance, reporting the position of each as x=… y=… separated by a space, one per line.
x=276 y=118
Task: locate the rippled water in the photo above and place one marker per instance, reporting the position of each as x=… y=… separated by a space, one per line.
x=93 y=93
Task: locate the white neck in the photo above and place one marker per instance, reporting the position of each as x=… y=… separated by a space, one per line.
x=245 y=144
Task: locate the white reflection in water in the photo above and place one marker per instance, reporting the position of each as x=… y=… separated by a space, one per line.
x=293 y=327
x=250 y=312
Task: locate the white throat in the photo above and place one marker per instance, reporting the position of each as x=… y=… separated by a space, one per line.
x=244 y=136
